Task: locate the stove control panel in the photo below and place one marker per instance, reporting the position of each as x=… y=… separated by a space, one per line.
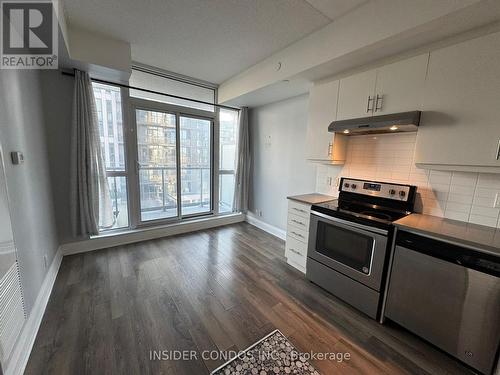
x=376 y=189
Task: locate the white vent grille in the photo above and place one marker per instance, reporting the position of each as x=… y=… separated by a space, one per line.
x=12 y=314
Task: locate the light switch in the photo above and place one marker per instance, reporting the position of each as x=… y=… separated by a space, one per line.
x=17 y=157
x=267 y=140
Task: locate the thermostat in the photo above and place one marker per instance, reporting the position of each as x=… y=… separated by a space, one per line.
x=17 y=157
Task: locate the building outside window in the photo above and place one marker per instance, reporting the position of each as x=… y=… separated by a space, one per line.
x=112 y=144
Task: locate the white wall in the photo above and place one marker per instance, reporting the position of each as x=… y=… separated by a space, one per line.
x=22 y=128
x=455 y=195
x=278 y=133
x=101 y=56
x=57 y=96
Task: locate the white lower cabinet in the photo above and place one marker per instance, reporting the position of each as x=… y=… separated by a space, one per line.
x=297 y=234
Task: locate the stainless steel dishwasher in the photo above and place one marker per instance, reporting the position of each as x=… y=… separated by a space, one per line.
x=449 y=295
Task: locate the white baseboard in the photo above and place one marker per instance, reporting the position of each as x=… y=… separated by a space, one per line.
x=22 y=349
x=144 y=234
x=271 y=229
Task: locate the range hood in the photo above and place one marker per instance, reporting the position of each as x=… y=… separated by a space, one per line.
x=392 y=123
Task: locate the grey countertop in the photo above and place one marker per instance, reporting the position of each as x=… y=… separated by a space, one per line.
x=312 y=198
x=479 y=237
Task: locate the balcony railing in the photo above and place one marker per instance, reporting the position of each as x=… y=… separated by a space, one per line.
x=160 y=199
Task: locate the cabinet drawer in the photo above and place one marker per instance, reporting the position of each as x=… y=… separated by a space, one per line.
x=295 y=247
x=297 y=233
x=296 y=252
x=299 y=209
x=298 y=221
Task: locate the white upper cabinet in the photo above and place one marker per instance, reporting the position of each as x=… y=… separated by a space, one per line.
x=357 y=95
x=400 y=86
x=460 y=125
x=323 y=146
x=392 y=88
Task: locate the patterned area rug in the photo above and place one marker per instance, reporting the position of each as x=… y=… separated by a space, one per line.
x=273 y=354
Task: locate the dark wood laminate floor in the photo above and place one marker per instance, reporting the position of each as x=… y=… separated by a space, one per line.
x=214 y=290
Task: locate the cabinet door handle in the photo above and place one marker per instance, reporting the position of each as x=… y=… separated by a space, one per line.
x=298 y=209
x=295 y=251
x=381 y=99
x=498 y=150
x=298 y=234
x=330 y=148
x=298 y=222
x=368 y=107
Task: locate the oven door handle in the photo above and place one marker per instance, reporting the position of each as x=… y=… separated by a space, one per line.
x=351 y=224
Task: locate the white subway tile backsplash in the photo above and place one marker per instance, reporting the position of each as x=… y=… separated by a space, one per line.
x=463 y=190
x=460 y=196
x=488 y=180
x=483 y=220
x=455 y=215
x=440 y=177
x=458 y=207
x=464 y=179
x=486 y=193
x=483 y=201
x=400 y=176
x=485 y=211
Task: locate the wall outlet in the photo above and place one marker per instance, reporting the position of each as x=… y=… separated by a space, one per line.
x=496 y=203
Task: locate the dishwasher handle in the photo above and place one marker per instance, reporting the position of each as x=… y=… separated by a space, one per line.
x=462 y=256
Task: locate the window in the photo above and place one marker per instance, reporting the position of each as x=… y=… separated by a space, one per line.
x=228 y=140
x=173 y=144
x=111 y=144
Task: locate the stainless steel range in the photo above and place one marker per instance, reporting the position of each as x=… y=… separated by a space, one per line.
x=349 y=240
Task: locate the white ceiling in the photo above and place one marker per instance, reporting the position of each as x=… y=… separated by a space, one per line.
x=210 y=40
x=335 y=8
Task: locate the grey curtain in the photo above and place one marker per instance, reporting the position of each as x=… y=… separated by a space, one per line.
x=90 y=203
x=242 y=185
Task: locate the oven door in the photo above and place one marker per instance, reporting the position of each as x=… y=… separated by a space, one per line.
x=355 y=250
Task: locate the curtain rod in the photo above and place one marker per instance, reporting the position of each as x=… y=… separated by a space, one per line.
x=72 y=74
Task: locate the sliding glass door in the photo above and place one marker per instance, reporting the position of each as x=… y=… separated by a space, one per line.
x=195 y=165
x=174 y=157
x=157 y=164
